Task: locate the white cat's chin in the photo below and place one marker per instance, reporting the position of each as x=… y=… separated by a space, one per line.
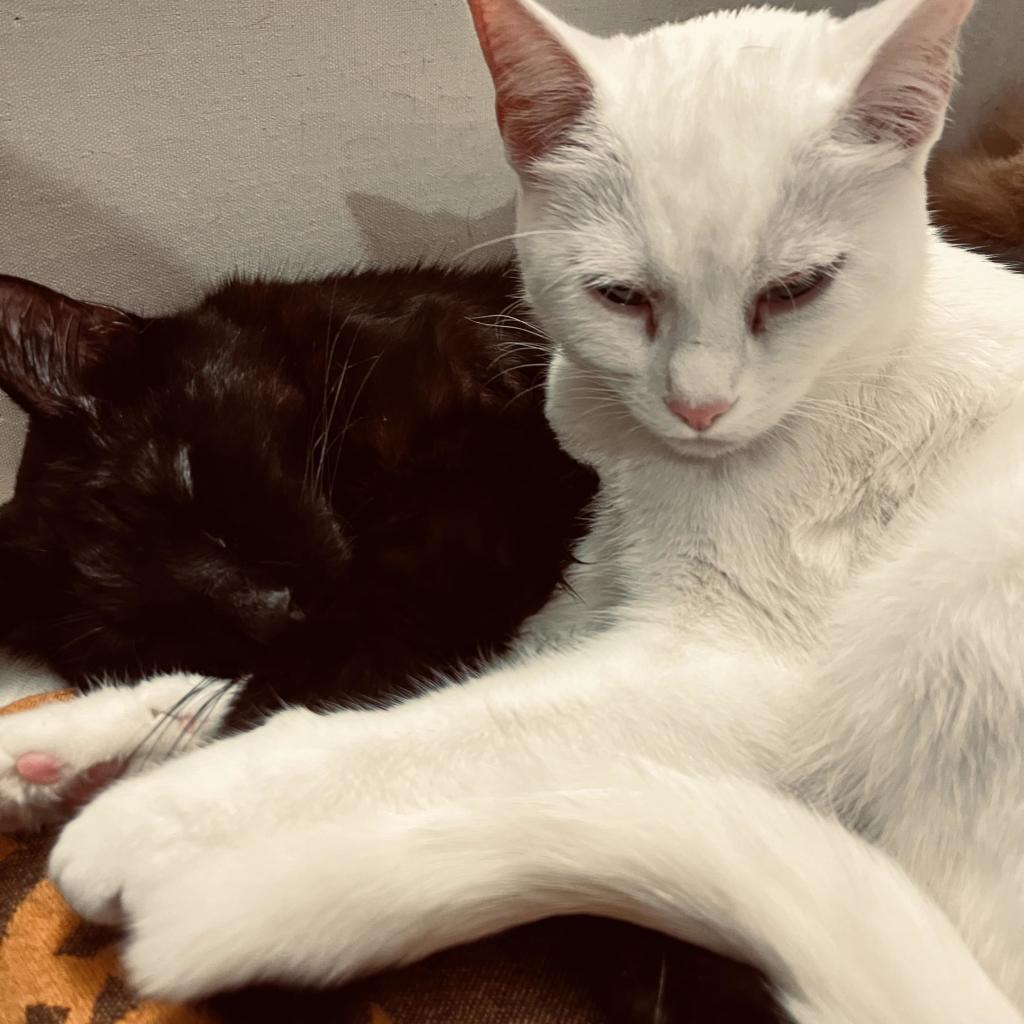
x=702 y=449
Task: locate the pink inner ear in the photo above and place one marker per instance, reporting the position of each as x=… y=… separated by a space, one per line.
x=906 y=108
x=541 y=91
x=904 y=94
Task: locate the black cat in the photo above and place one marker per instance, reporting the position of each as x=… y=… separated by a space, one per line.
x=337 y=487
x=352 y=476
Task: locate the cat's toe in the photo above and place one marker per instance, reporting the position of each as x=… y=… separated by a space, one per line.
x=191 y=935
x=89 y=864
x=125 y=842
x=109 y=853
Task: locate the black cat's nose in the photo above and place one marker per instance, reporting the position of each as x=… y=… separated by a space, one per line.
x=265 y=614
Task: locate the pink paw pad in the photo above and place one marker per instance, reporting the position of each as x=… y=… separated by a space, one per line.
x=38 y=768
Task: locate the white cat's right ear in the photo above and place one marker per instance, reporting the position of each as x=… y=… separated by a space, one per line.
x=903 y=94
x=49 y=342
x=541 y=91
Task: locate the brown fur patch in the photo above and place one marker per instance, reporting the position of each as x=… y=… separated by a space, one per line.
x=977 y=193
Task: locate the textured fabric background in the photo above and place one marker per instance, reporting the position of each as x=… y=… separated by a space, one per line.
x=148 y=147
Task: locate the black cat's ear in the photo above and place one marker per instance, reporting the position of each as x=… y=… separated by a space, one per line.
x=49 y=342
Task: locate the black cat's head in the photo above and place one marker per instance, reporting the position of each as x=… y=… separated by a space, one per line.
x=166 y=513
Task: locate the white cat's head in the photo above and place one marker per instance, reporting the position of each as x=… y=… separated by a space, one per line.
x=716 y=214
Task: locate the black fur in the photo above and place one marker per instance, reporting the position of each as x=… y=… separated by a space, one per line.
x=364 y=458
x=339 y=486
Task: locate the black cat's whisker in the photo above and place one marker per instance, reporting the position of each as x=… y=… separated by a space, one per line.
x=66 y=621
x=331 y=339
x=521 y=345
x=514 y=369
x=330 y=441
x=526 y=391
x=658 y=1015
x=329 y=414
x=504 y=355
x=166 y=718
x=509 y=352
x=351 y=410
x=200 y=717
x=76 y=640
x=507 y=349
x=509 y=325
x=503 y=321
x=71 y=617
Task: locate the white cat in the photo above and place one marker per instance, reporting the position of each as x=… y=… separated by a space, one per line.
x=803 y=587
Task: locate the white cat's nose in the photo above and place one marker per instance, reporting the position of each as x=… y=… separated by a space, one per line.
x=699 y=417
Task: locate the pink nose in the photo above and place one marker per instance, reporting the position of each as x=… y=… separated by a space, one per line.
x=700 y=417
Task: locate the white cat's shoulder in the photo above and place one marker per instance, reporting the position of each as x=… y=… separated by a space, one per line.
x=976 y=306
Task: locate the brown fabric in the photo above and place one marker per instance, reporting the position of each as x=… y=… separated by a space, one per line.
x=57 y=969
x=516 y=978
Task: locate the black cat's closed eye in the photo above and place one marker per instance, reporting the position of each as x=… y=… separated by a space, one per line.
x=627 y=296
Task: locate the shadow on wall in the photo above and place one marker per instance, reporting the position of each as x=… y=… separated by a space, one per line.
x=113 y=260
x=386 y=227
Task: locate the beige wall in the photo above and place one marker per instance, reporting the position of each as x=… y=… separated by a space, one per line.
x=147 y=147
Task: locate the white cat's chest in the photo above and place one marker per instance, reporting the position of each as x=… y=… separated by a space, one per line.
x=762 y=557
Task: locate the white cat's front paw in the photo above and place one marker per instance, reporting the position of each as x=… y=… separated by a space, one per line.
x=315 y=905
x=225 y=868
x=92 y=859
x=56 y=756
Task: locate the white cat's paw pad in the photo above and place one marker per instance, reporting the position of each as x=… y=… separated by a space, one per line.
x=38 y=769
x=37 y=788
x=44 y=773
x=56 y=757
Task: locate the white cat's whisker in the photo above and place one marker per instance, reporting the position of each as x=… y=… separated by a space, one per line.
x=513 y=237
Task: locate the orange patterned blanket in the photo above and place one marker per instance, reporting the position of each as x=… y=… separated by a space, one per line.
x=56 y=968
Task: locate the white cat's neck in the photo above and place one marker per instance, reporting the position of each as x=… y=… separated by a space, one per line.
x=760 y=541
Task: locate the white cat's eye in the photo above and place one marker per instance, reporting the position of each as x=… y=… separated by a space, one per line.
x=624 y=296
x=790 y=294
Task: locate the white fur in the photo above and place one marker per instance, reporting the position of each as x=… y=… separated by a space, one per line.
x=821 y=595
x=20 y=678
x=137 y=726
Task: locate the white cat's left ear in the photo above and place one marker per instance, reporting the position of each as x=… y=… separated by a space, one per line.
x=903 y=94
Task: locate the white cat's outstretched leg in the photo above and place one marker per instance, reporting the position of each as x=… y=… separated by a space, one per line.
x=55 y=756
x=845 y=935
